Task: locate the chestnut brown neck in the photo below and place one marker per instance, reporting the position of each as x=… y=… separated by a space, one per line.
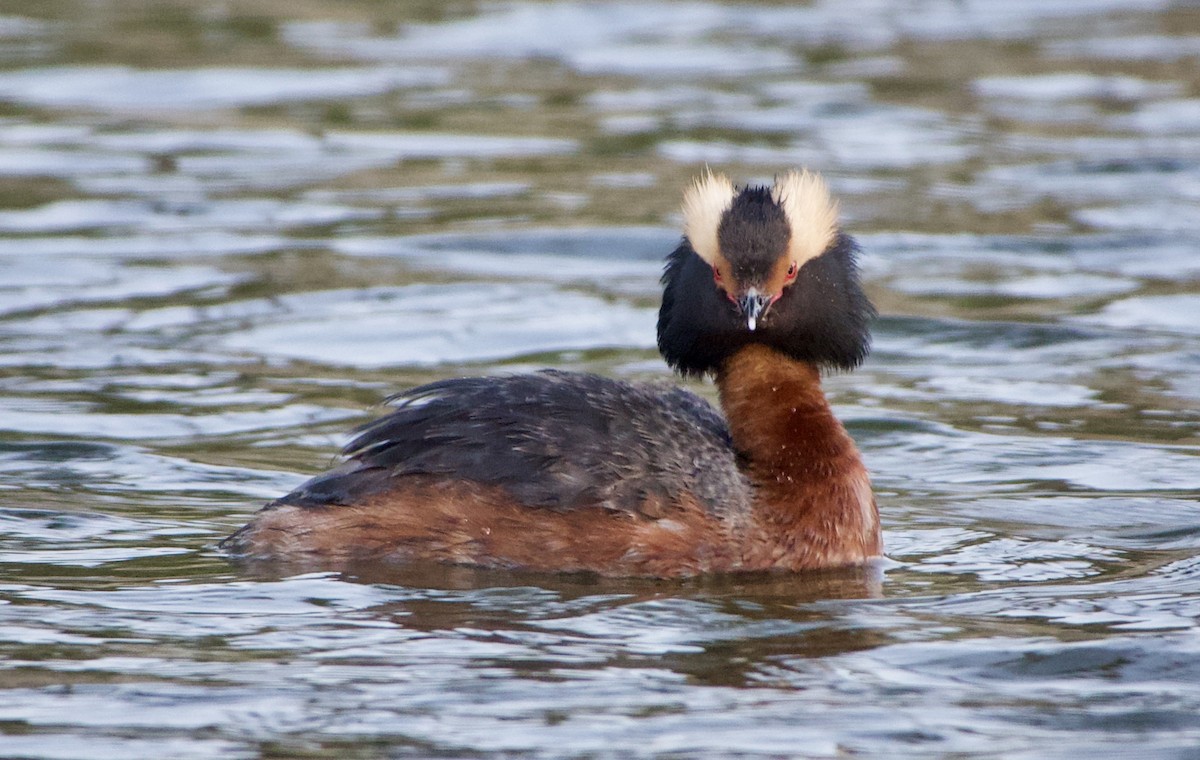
x=809 y=478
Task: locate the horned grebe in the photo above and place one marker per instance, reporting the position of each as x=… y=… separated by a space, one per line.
x=560 y=471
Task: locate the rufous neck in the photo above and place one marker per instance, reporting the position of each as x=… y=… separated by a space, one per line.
x=812 y=490
x=778 y=415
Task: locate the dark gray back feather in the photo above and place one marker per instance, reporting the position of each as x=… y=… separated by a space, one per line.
x=554 y=440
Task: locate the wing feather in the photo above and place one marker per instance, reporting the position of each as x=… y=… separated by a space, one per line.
x=554 y=440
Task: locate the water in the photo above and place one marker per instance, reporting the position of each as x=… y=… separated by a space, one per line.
x=227 y=231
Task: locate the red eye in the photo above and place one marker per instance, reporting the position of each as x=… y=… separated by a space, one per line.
x=716 y=275
x=791 y=272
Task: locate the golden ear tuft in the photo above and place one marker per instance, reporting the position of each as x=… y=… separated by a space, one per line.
x=810 y=212
x=704 y=203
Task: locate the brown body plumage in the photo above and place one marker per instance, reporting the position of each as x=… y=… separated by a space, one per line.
x=571 y=472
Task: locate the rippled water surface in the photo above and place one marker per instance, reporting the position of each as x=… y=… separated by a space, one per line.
x=228 y=230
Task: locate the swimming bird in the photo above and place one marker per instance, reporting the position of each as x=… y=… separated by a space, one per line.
x=564 y=471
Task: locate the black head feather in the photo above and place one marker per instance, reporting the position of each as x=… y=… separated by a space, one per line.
x=753 y=234
x=822 y=318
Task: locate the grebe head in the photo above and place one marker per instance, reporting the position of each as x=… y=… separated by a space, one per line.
x=764 y=265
